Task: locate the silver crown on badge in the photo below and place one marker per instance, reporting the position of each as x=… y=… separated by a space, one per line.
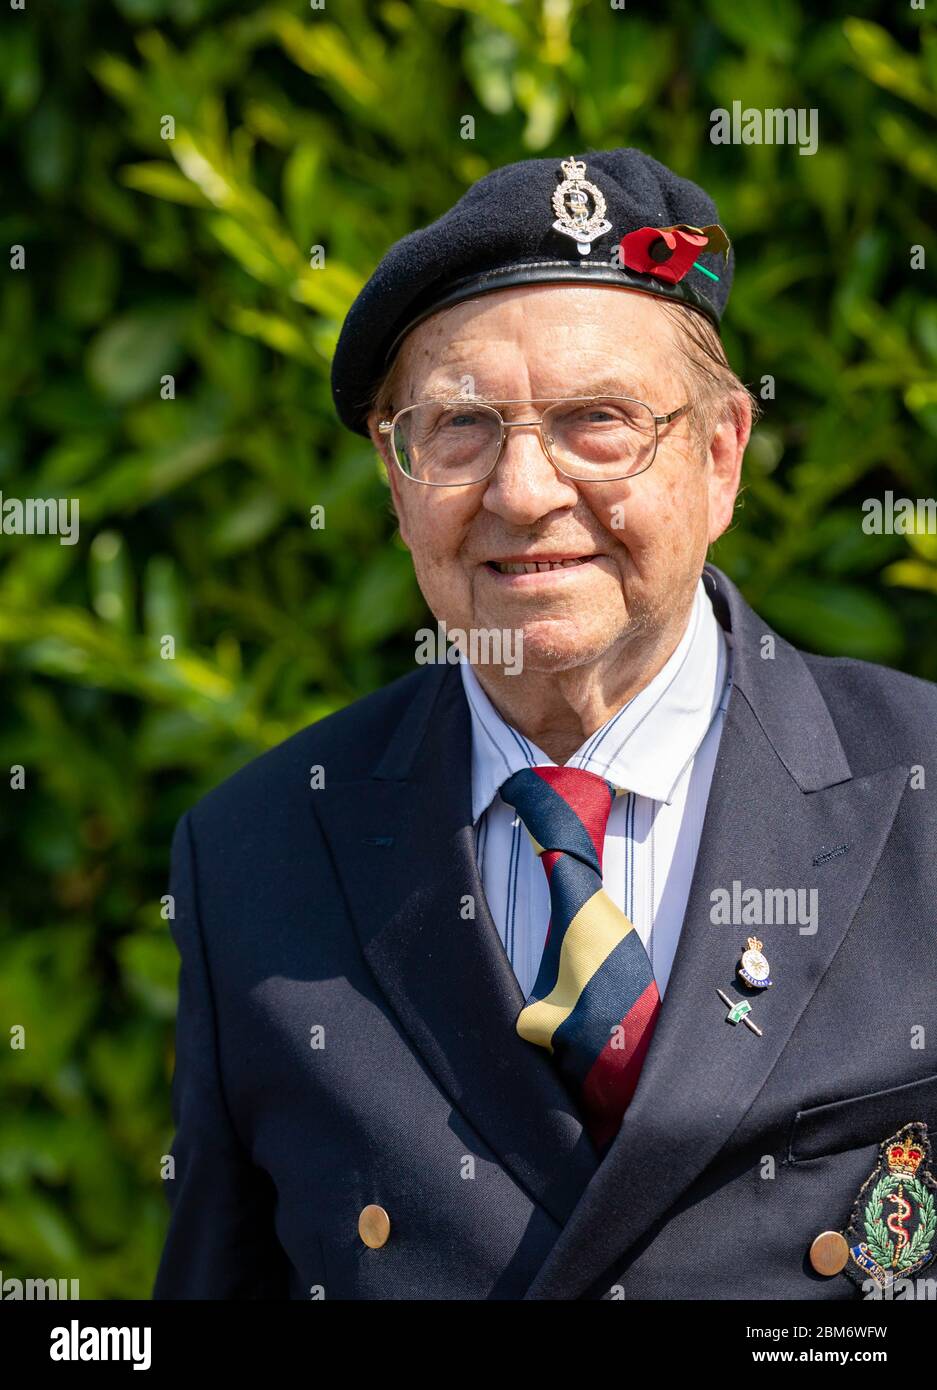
x=572 y=200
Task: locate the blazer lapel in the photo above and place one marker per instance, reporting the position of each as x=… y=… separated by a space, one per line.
x=403 y=844
x=782 y=796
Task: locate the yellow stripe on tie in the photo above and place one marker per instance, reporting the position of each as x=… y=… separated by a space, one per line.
x=597 y=928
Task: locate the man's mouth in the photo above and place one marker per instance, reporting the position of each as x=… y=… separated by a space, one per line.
x=537 y=566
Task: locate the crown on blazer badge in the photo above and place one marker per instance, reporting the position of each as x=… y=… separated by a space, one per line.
x=906 y=1156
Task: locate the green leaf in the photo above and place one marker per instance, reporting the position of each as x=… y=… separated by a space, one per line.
x=161 y=180
x=128 y=357
x=383 y=594
x=835 y=619
x=884 y=62
x=765 y=26
x=49 y=149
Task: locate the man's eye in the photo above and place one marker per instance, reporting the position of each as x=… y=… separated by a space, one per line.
x=462 y=420
x=594 y=415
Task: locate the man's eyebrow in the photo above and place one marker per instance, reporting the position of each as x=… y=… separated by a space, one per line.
x=618 y=384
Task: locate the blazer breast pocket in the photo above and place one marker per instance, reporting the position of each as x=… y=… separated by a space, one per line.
x=863 y=1120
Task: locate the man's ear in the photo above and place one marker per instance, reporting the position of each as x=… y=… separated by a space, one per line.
x=381 y=443
x=726 y=450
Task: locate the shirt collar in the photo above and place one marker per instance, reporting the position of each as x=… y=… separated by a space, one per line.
x=644 y=747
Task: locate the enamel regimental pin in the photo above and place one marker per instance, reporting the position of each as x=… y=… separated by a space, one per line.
x=891 y=1232
x=753 y=968
x=579 y=207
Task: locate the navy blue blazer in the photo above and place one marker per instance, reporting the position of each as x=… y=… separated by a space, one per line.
x=345 y=1036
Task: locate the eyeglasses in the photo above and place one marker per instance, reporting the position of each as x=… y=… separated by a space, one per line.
x=451 y=443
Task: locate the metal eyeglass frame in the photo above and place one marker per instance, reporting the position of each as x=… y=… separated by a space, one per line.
x=389 y=426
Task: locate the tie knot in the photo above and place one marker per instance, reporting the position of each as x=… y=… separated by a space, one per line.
x=563 y=808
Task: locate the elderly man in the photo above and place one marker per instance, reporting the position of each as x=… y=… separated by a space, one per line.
x=606 y=971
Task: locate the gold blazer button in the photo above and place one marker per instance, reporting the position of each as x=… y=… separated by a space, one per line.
x=829 y=1253
x=374 y=1226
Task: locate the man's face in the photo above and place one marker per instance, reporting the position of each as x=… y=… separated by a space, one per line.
x=642 y=540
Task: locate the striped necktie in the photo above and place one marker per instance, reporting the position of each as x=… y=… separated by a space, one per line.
x=595 y=1000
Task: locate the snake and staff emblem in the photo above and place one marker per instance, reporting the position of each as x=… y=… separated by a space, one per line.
x=894 y=1222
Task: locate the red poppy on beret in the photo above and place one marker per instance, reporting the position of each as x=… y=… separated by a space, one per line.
x=669 y=252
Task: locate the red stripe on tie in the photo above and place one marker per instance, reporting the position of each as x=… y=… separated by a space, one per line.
x=587 y=794
x=613 y=1076
x=548 y=858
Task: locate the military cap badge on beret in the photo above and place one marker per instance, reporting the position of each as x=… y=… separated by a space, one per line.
x=571 y=205
x=612 y=217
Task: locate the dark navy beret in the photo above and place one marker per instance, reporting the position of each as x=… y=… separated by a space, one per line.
x=535 y=222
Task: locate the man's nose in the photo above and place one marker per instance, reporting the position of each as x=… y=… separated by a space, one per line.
x=524 y=485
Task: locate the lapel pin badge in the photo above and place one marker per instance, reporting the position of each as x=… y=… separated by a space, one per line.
x=753 y=967
x=739 y=1009
x=892 y=1230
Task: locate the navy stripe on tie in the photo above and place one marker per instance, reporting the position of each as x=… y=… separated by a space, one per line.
x=549 y=817
x=572 y=884
x=623 y=975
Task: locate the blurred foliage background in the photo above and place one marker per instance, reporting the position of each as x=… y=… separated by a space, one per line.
x=340 y=127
